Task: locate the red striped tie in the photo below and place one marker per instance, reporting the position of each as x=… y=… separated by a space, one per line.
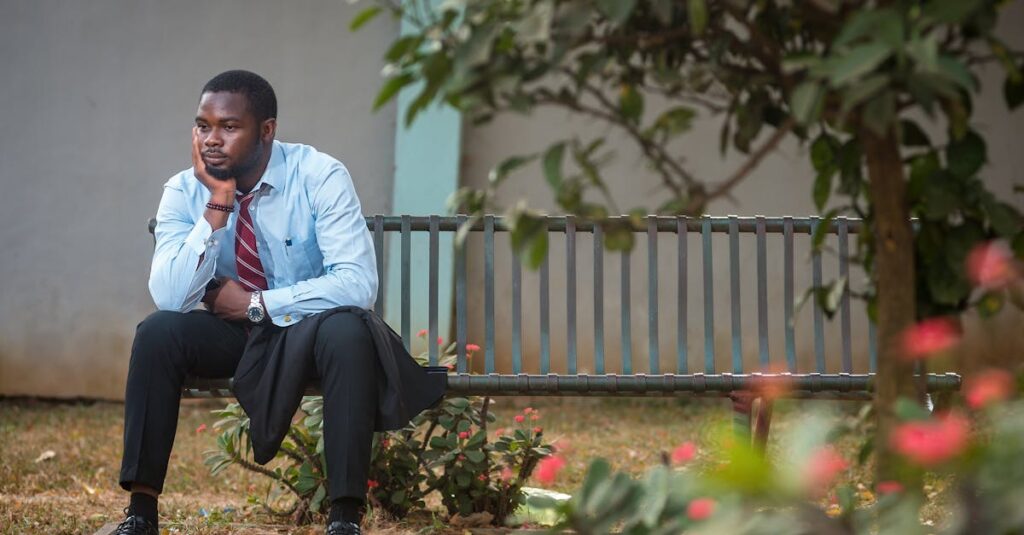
x=247 y=260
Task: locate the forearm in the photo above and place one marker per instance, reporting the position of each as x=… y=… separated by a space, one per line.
x=337 y=287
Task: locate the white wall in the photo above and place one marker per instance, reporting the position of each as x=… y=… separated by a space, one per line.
x=97 y=100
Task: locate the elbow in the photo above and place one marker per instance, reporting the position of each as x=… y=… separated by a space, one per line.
x=165 y=300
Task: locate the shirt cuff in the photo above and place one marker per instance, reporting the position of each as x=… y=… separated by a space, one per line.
x=278 y=302
x=202 y=236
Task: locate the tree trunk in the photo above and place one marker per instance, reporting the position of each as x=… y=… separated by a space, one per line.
x=894 y=282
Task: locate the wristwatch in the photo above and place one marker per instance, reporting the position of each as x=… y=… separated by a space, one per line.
x=255 y=312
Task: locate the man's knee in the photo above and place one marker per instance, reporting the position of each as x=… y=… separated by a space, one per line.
x=345 y=329
x=159 y=332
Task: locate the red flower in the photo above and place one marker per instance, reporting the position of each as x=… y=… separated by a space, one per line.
x=499 y=431
x=372 y=483
x=440 y=340
x=548 y=468
x=506 y=474
x=520 y=418
x=422 y=333
x=461 y=457
x=470 y=348
x=990 y=265
x=889 y=487
x=700 y=508
x=535 y=416
x=464 y=435
x=684 y=452
x=201 y=428
x=931 y=442
x=929 y=337
x=528 y=410
x=482 y=477
x=385 y=443
x=822 y=469
x=987 y=387
x=538 y=429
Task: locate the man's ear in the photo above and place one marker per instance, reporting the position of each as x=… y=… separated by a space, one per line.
x=268 y=129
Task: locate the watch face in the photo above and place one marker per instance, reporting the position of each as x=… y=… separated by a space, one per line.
x=255 y=314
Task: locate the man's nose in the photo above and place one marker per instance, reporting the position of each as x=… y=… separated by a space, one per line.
x=213 y=139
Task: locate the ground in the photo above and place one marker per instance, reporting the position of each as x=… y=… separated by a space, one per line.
x=74 y=490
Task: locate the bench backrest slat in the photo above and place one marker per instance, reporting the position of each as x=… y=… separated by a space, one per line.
x=406 y=237
x=734 y=291
x=598 y=246
x=432 y=275
x=489 y=364
x=709 y=298
x=653 y=356
x=682 y=288
x=570 y=294
x=844 y=304
x=762 y=294
x=627 y=321
x=787 y=292
x=819 y=319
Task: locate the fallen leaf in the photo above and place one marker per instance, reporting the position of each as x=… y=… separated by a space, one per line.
x=46 y=456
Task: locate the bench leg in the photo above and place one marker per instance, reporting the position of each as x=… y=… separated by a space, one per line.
x=742 y=405
x=762 y=422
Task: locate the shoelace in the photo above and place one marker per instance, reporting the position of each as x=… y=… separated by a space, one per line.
x=343 y=528
x=130 y=524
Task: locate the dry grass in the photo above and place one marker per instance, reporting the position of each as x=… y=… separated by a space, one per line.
x=76 y=491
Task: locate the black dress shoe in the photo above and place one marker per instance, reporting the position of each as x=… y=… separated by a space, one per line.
x=138 y=525
x=340 y=527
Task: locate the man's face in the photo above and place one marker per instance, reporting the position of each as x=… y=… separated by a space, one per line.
x=230 y=138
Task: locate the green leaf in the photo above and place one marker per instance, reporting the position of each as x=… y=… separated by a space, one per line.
x=965 y=156
x=462 y=479
x=402 y=46
x=503 y=169
x=911 y=135
x=823 y=153
x=950 y=11
x=318 y=498
x=553 y=164
x=884 y=23
x=806 y=102
x=631 y=103
x=955 y=71
x=398 y=497
x=391 y=88
x=618 y=238
x=858 y=92
x=823 y=187
x=879 y=112
x=662 y=9
x=674 y=121
x=538 y=250
x=363 y=17
x=617 y=11
x=855 y=63
x=475 y=456
x=698 y=13
x=1013 y=92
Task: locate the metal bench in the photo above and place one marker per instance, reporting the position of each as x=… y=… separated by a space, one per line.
x=820 y=374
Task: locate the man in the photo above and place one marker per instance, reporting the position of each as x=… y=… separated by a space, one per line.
x=271 y=237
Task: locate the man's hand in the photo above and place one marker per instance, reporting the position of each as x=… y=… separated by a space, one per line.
x=220 y=190
x=229 y=301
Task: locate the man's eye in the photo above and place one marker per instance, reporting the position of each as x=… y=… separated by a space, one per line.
x=202 y=127
x=230 y=128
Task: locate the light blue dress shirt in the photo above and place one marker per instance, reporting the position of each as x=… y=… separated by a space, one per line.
x=311 y=237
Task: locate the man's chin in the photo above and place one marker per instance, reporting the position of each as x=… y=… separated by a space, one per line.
x=220 y=173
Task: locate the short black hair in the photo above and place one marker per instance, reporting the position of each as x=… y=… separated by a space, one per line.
x=261 y=97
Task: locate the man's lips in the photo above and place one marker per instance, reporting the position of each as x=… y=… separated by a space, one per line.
x=215 y=158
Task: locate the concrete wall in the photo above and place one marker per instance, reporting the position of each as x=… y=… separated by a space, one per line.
x=97 y=100
x=781 y=185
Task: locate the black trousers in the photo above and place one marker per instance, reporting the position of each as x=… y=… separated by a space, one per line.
x=171 y=345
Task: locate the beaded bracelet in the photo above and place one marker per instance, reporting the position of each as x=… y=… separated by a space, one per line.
x=220 y=207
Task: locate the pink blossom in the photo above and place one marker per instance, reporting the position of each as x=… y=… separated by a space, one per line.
x=535 y=416
x=528 y=410
x=506 y=474
x=464 y=435
x=700 y=508
x=201 y=428
x=548 y=468
x=482 y=477
x=520 y=418
x=422 y=333
x=990 y=265
x=470 y=348
x=440 y=340
x=931 y=442
x=684 y=452
x=889 y=487
x=987 y=387
x=372 y=483
x=931 y=336
x=822 y=468
x=538 y=429
x=499 y=431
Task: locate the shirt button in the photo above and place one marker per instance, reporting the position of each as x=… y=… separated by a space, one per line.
x=287 y=318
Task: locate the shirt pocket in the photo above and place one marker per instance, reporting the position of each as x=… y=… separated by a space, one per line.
x=304 y=257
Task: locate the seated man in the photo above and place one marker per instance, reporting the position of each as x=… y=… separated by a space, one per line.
x=271 y=237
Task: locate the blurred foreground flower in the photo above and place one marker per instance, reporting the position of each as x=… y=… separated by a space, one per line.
x=932 y=442
x=987 y=387
x=548 y=468
x=990 y=265
x=823 y=468
x=888 y=487
x=700 y=508
x=931 y=336
x=684 y=453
